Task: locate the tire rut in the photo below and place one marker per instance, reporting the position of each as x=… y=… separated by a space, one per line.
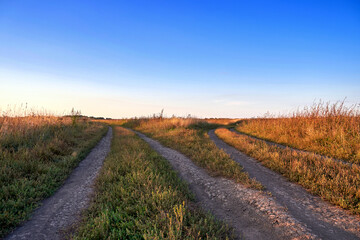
x=63 y=209
x=323 y=219
x=246 y=210
x=294 y=149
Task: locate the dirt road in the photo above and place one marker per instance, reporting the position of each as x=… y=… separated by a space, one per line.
x=253 y=214
x=323 y=219
x=294 y=149
x=63 y=209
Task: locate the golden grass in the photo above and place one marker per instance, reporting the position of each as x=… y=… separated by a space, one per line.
x=190 y=137
x=25 y=125
x=222 y=121
x=328 y=129
x=110 y=121
x=155 y=124
x=336 y=182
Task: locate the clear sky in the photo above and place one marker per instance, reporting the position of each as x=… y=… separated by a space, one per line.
x=206 y=58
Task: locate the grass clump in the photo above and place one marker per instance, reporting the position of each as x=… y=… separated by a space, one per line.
x=328 y=129
x=190 y=137
x=37 y=153
x=139 y=196
x=336 y=182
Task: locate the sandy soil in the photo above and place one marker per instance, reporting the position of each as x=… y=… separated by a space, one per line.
x=323 y=219
x=63 y=209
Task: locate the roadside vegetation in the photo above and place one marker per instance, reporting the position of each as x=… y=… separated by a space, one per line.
x=38 y=151
x=222 y=121
x=190 y=137
x=139 y=196
x=328 y=129
x=334 y=181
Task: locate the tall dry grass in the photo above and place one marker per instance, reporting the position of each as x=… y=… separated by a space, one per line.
x=110 y=121
x=222 y=121
x=154 y=124
x=328 y=129
x=335 y=181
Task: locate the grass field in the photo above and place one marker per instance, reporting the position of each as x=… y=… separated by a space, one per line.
x=329 y=129
x=139 y=196
x=37 y=153
x=336 y=182
x=190 y=137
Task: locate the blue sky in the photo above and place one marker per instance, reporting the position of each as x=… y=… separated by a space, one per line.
x=205 y=58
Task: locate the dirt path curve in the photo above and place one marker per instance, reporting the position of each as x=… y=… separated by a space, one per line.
x=250 y=212
x=63 y=209
x=294 y=149
x=325 y=220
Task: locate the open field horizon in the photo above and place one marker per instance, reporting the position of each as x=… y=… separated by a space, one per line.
x=177 y=120
x=34 y=141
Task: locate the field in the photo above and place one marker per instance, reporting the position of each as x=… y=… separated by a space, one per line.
x=189 y=136
x=37 y=153
x=336 y=182
x=329 y=129
x=138 y=194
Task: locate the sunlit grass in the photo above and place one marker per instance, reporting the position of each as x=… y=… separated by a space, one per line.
x=336 y=182
x=139 y=196
x=329 y=129
x=190 y=137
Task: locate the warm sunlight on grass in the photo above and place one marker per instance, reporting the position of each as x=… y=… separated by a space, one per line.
x=139 y=196
x=190 y=137
x=328 y=129
x=222 y=121
x=337 y=182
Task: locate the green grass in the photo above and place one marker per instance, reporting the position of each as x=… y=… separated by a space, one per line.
x=35 y=161
x=190 y=137
x=139 y=196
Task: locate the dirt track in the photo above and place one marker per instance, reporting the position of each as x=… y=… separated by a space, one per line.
x=323 y=219
x=289 y=212
x=63 y=209
x=253 y=214
x=294 y=149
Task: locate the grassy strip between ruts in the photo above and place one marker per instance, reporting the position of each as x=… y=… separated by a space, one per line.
x=36 y=161
x=139 y=196
x=334 y=181
x=191 y=138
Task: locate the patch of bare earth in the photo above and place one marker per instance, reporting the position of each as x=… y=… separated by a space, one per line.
x=253 y=214
x=324 y=220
